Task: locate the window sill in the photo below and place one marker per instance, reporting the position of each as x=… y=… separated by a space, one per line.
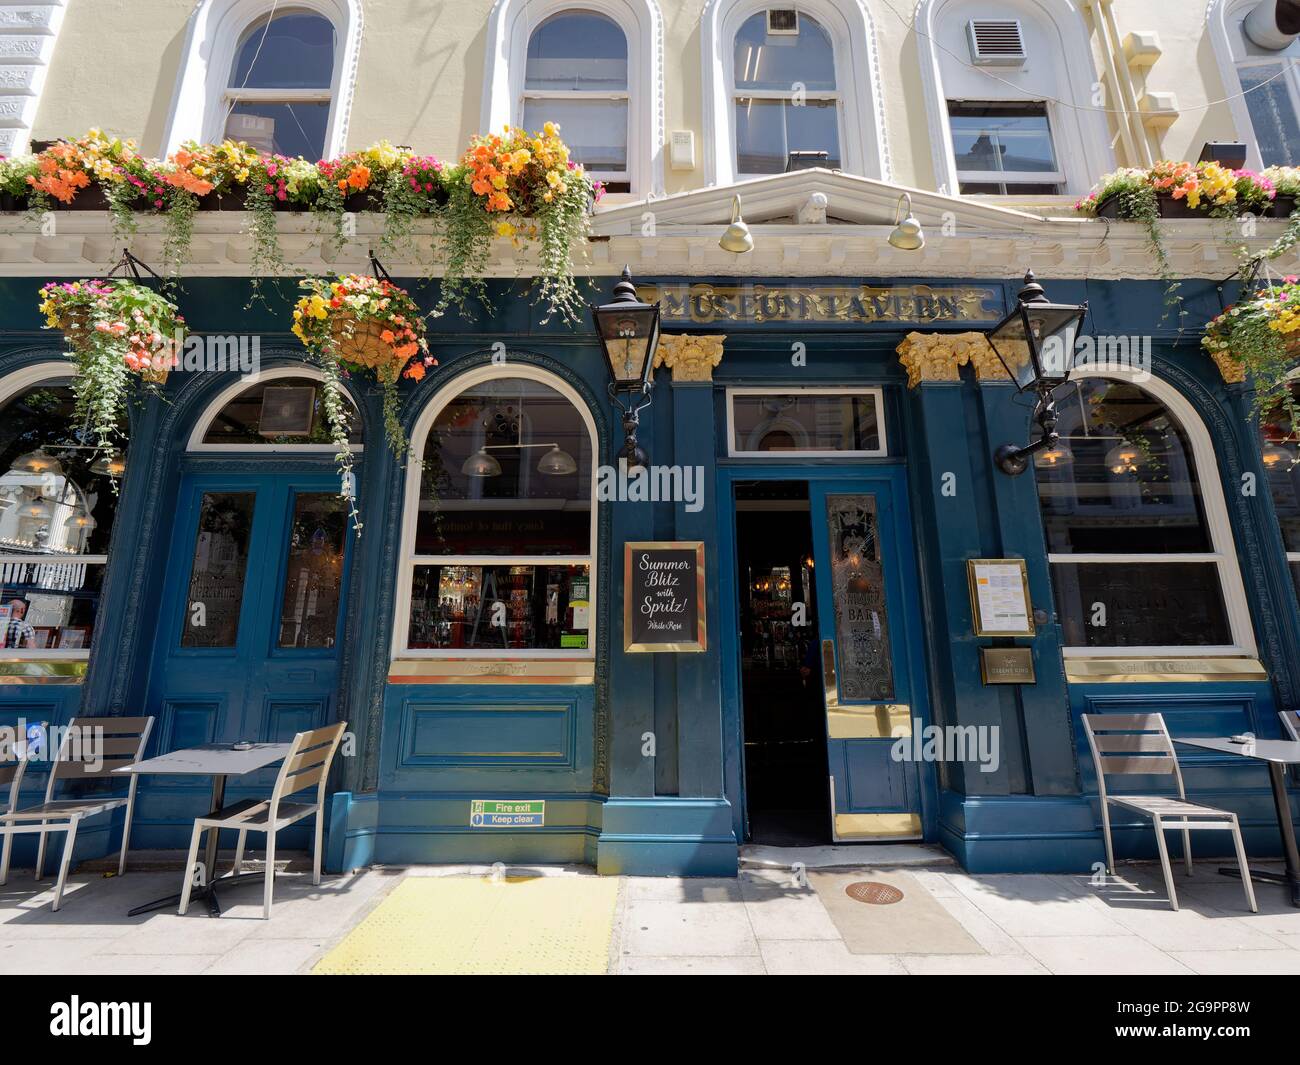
x=503 y=670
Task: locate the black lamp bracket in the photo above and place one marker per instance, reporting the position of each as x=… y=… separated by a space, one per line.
x=1013 y=460
x=128 y=263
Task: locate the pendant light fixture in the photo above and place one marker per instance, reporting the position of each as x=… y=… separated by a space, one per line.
x=736 y=238
x=37 y=462
x=481 y=464
x=557 y=462
x=109 y=464
x=908 y=234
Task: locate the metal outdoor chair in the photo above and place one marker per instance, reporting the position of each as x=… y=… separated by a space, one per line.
x=91 y=748
x=1290 y=723
x=1140 y=745
x=13 y=764
x=306 y=765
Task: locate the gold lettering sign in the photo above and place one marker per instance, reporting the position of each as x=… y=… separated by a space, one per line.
x=705 y=304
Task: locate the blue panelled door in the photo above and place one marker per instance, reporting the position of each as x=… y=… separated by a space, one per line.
x=252 y=613
x=867 y=616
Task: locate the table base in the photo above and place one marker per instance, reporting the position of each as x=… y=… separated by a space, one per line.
x=1267 y=876
x=206 y=894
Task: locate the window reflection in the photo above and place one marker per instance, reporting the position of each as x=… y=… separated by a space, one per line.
x=285 y=410
x=309 y=611
x=1122 y=484
x=507 y=472
x=216 y=589
x=57 y=500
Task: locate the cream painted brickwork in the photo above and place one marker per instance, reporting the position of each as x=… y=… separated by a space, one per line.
x=419 y=78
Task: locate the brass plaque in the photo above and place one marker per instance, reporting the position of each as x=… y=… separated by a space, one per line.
x=1007 y=665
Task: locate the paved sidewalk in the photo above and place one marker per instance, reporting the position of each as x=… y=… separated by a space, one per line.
x=766 y=921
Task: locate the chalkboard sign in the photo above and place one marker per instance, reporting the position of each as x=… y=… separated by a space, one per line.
x=663 y=596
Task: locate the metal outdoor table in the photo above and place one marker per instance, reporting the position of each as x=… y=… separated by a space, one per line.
x=1277 y=754
x=218 y=761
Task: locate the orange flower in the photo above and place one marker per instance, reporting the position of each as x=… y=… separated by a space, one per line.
x=387 y=336
x=359 y=179
x=415 y=371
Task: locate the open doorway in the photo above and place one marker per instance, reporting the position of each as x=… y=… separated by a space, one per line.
x=786 y=793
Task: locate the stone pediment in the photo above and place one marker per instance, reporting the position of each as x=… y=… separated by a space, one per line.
x=811 y=198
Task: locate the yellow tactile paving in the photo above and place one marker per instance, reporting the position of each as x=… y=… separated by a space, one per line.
x=477 y=926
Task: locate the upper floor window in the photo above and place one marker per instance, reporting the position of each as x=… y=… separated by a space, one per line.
x=785 y=94
x=273 y=73
x=57 y=503
x=1004 y=147
x=788 y=87
x=992 y=72
x=576 y=77
x=499 y=533
x=1137 y=533
x=595 y=69
x=1258 y=62
x=279 y=95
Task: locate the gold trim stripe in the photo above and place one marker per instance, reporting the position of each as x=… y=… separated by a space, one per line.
x=1166 y=670
x=886 y=721
x=877 y=826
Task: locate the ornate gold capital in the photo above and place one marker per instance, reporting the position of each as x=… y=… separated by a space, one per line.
x=691 y=358
x=939 y=356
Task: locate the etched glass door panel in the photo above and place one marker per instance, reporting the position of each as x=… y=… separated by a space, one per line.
x=309 y=605
x=218 y=570
x=865 y=670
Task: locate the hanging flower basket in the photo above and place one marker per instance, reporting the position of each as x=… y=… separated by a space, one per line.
x=354 y=324
x=1260 y=337
x=118 y=332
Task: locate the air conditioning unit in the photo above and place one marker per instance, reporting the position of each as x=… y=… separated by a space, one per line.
x=782 y=22
x=996 y=42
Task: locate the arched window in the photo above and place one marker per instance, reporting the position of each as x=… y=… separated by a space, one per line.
x=277 y=75
x=799 y=78
x=57 y=503
x=577 y=78
x=1262 y=80
x=499 y=530
x=1136 y=527
x=279 y=410
x=278 y=96
x=595 y=68
x=786 y=101
x=995 y=74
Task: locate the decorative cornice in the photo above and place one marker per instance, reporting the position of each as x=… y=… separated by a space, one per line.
x=992 y=242
x=939 y=356
x=691 y=358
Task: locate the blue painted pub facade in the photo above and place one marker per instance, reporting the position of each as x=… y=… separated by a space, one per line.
x=816 y=432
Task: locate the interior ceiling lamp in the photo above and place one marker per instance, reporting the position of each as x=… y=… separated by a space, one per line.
x=555 y=463
x=1035 y=344
x=1276 y=457
x=1056 y=457
x=79 y=519
x=908 y=234
x=38 y=509
x=629 y=335
x=110 y=464
x=1124 y=458
x=736 y=237
x=38 y=462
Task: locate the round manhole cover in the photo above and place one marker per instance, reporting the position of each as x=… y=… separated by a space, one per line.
x=873 y=892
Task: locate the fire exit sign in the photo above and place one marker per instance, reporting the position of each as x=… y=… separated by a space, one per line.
x=507 y=813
